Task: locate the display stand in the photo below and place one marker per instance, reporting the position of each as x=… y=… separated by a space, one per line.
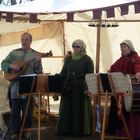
x=97 y=89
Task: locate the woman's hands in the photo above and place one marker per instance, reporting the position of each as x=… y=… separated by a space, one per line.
x=137 y=75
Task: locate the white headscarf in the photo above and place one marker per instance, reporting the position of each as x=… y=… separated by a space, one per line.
x=77 y=56
x=81 y=44
x=129 y=44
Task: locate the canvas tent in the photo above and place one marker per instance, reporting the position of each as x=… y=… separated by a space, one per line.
x=55 y=25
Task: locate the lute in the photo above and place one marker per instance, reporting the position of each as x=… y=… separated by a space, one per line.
x=12 y=75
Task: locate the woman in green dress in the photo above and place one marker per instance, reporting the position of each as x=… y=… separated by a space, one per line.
x=75 y=106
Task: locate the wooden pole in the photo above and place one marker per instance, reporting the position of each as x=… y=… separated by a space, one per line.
x=104 y=117
x=39 y=98
x=98 y=49
x=63 y=37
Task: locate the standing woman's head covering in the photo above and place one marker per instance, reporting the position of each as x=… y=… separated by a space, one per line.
x=129 y=44
x=82 y=45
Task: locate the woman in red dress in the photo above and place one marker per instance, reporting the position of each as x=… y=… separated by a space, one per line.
x=128 y=63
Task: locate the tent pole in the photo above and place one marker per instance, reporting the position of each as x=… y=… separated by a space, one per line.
x=63 y=37
x=98 y=48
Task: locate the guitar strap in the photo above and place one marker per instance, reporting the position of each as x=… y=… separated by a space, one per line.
x=25 y=54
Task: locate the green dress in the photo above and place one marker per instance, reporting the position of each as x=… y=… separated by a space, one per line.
x=75 y=109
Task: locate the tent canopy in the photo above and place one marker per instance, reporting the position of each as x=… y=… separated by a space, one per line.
x=32 y=13
x=38 y=10
x=65 y=6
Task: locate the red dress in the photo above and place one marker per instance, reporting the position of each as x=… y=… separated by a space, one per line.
x=128 y=65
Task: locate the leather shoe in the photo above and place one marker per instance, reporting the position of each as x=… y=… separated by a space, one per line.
x=15 y=137
x=28 y=136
